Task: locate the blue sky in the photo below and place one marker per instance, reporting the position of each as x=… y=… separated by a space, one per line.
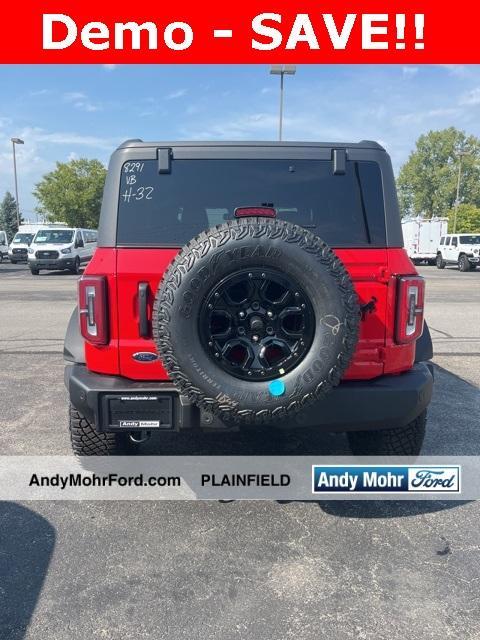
x=64 y=112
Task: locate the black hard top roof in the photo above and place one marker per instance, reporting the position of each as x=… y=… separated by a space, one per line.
x=138 y=143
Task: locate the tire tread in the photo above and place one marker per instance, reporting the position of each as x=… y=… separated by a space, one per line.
x=402 y=441
x=86 y=441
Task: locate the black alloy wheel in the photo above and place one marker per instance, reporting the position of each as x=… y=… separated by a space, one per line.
x=257 y=324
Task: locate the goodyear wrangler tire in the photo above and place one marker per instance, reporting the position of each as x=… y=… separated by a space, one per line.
x=255 y=319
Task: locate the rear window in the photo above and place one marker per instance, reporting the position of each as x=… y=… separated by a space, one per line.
x=168 y=209
x=470 y=239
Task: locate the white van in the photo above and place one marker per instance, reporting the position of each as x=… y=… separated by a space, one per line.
x=3 y=245
x=18 y=248
x=459 y=248
x=60 y=249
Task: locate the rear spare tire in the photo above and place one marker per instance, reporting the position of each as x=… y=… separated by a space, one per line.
x=255 y=319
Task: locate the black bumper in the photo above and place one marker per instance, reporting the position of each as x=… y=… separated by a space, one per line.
x=386 y=402
x=52 y=264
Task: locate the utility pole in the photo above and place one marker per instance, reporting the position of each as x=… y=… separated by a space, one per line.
x=14 y=142
x=457 y=199
x=282 y=70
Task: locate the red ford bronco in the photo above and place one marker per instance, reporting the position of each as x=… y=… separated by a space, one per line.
x=245 y=284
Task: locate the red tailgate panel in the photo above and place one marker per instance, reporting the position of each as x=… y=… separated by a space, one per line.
x=373 y=272
x=367 y=268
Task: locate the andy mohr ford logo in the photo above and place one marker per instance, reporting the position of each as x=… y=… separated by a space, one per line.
x=385 y=479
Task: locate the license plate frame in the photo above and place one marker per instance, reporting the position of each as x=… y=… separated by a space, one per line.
x=138 y=412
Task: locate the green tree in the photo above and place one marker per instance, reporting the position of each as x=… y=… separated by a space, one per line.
x=8 y=215
x=72 y=193
x=427 y=182
x=468 y=219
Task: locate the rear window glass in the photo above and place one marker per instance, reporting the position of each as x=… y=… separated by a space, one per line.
x=470 y=239
x=168 y=209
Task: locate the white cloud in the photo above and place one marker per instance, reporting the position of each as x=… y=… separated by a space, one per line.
x=238 y=127
x=73 y=96
x=458 y=70
x=80 y=101
x=38 y=155
x=40 y=92
x=69 y=138
x=472 y=98
x=87 y=106
x=176 y=94
x=109 y=67
x=409 y=72
x=417 y=117
x=35 y=135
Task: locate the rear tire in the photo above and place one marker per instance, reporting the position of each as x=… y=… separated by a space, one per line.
x=464 y=264
x=440 y=262
x=34 y=272
x=88 y=442
x=404 y=441
x=13 y=261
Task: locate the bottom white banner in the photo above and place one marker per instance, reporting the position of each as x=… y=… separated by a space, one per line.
x=239 y=478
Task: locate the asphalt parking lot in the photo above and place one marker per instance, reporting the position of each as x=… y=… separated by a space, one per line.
x=259 y=570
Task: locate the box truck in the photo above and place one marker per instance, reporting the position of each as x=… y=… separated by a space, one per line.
x=421 y=237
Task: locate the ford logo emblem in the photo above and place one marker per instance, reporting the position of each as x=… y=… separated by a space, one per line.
x=145 y=356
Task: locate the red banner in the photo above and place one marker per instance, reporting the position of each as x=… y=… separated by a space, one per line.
x=255 y=31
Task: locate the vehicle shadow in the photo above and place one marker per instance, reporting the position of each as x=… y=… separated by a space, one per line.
x=27 y=541
x=55 y=274
x=449 y=432
x=24 y=269
x=385 y=509
x=11 y=268
x=453 y=416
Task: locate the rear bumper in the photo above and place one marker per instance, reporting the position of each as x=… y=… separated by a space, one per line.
x=386 y=402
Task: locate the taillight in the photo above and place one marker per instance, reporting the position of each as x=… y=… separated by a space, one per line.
x=410 y=301
x=92 y=304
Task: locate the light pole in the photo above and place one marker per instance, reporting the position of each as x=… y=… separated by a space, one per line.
x=14 y=142
x=282 y=70
x=457 y=199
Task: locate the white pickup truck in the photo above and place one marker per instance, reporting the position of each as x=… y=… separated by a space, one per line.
x=462 y=249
